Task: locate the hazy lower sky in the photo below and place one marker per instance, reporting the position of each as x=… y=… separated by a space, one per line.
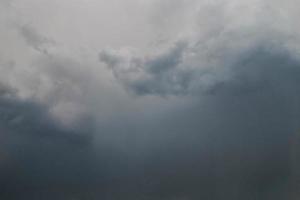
x=149 y=100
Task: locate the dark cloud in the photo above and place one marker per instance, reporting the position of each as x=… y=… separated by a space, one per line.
x=235 y=141
x=227 y=126
x=6 y=91
x=37 y=152
x=170 y=74
x=157 y=74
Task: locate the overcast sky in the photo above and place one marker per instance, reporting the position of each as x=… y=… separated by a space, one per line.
x=149 y=99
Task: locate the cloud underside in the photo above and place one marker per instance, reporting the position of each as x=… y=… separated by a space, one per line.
x=246 y=126
x=236 y=141
x=182 y=69
x=210 y=113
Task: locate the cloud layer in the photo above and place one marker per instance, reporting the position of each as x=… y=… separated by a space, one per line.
x=143 y=99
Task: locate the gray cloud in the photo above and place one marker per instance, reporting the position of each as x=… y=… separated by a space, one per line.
x=215 y=111
x=234 y=141
x=157 y=74
x=215 y=44
x=34 y=39
x=188 y=69
x=40 y=157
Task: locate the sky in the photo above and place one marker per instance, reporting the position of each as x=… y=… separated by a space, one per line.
x=149 y=100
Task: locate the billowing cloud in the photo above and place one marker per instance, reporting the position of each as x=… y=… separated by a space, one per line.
x=157 y=74
x=143 y=99
x=214 y=50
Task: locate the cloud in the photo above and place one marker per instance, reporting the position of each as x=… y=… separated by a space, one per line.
x=178 y=70
x=30 y=117
x=215 y=45
x=207 y=108
x=6 y=91
x=153 y=74
x=40 y=154
x=240 y=71
x=34 y=39
x=232 y=141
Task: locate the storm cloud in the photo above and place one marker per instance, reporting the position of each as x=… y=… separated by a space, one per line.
x=135 y=99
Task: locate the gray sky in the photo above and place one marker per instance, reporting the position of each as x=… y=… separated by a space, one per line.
x=149 y=99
